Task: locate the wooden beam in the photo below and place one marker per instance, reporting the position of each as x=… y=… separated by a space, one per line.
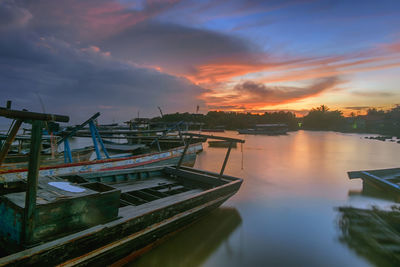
x=77 y=128
x=10 y=138
x=226 y=159
x=183 y=153
x=33 y=171
x=26 y=115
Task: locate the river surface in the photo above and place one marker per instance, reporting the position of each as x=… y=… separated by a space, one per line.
x=285 y=213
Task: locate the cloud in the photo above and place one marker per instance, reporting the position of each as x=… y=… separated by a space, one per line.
x=91 y=20
x=80 y=81
x=178 y=49
x=252 y=92
x=12 y=15
x=358 y=108
x=373 y=94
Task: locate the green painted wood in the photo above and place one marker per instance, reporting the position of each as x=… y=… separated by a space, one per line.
x=33 y=171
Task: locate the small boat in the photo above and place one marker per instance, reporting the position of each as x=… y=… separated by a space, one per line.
x=384 y=179
x=120 y=161
x=266 y=129
x=221 y=144
x=216 y=130
x=125 y=147
x=11 y=177
x=17 y=161
x=97 y=218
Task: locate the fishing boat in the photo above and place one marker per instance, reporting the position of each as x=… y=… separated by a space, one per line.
x=125 y=147
x=215 y=143
x=15 y=161
x=266 y=129
x=9 y=177
x=213 y=130
x=383 y=179
x=12 y=177
x=97 y=218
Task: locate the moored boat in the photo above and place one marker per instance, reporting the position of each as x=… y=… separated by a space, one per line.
x=96 y=218
x=266 y=129
x=384 y=179
x=16 y=161
x=220 y=144
x=169 y=157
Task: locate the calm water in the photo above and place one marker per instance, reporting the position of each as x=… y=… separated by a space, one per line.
x=285 y=212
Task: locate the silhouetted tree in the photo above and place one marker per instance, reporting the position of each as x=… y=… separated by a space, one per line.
x=321 y=118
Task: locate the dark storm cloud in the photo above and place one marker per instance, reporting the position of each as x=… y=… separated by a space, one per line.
x=252 y=92
x=12 y=15
x=176 y=47
x=78 y=79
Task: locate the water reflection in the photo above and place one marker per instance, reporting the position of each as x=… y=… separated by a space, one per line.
x=195 y=244
x=292 y=185
x=372 y=233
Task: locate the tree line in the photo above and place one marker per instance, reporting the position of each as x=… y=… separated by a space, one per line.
x=319 y=118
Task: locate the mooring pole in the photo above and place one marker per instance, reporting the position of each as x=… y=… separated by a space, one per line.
x=184 y=152
x=67 y=152
x=158 y=145
x=226 y=159
x=33 y=171
x=93 y=133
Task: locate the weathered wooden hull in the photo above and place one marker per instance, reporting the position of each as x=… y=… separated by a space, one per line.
x=384 y=179
x=21 y=161
x=136 y=227
x=125 y=147
x=9 y=177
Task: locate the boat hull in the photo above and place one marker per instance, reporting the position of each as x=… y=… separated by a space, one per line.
x=384 y=179
x=9 y=177
x=137 y=227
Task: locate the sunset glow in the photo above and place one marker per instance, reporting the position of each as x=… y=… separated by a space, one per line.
x=245 y=56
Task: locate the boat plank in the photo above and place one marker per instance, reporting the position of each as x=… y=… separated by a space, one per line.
x=133 y=211
x=142 y=184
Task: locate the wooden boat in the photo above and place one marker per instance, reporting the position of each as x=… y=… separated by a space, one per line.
x=216 y=130
x=125 y=147
x=97 y=218
x=15 y=161
x=220 y=144
x=267 y=129
x=122 y=161
x=384 y=179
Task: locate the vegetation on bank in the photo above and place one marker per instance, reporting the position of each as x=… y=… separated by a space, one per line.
x=231 y=120
x=320 y=118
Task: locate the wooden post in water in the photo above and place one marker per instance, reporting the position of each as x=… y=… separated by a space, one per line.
x=226 y=159
x=184 y=152
x=33 y=171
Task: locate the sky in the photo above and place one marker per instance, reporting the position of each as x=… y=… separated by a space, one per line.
x=126 y=58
